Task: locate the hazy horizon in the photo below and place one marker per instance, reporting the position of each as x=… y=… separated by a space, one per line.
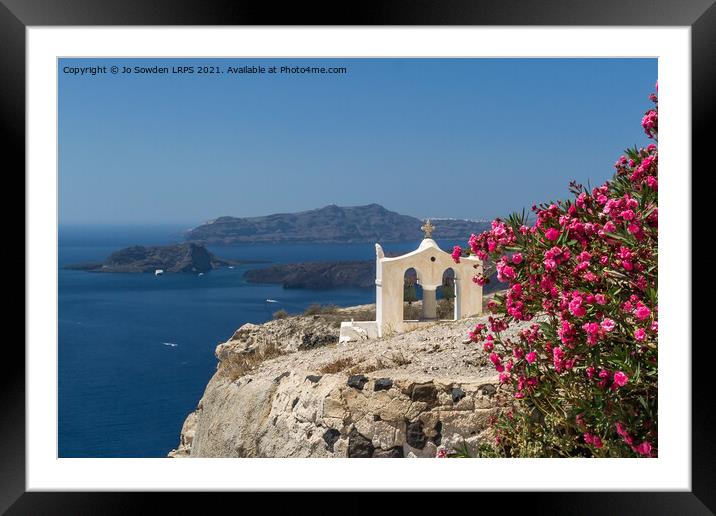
x=440 y=138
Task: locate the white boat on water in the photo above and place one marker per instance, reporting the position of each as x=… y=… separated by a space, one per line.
x=159 y=272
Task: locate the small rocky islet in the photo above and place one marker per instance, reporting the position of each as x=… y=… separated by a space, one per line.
x=185 y=257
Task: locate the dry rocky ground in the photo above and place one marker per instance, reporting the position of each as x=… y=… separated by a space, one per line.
x=287 y=389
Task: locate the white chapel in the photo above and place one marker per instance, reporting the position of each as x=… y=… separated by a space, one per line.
x=429 y=263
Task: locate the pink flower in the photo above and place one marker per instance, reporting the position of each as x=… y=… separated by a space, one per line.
x=591 y=328
x=643 y=449
x=495 y=359
x=620 y=429
x=627 y=215
x=479 y=279
x=590 y=372
x=642 y=312
x=506 y=273
x=608 y=325
x=576 y=308
x=558 y=359
x=517 y=258
x=456 y=253
x=620 y=379
x=650 y=123
x=441 y=454
x=601 y=299
x=640 y=334
x=551 y=234
x=531 y=357
x=593 y=440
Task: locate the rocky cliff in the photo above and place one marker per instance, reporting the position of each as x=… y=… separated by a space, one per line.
x=287 y=389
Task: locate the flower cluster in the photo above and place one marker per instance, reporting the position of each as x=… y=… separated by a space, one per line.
x=584 y=273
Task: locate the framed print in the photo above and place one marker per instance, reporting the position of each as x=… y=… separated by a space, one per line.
x=260 y=245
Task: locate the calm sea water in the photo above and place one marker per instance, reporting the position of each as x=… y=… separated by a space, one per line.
x=136 y=351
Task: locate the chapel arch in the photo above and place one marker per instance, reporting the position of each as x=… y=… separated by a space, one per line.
x=446 y=296
x=412 y=295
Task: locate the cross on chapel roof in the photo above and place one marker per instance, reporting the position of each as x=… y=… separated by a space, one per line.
x=427 y=229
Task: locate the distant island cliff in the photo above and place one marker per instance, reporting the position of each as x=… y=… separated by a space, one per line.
x=188 y=257
x=330 y=224
x=316 y=275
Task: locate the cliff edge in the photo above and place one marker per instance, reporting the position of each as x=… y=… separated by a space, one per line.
x=287 y=389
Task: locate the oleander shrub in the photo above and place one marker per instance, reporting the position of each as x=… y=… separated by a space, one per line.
x=584 y=371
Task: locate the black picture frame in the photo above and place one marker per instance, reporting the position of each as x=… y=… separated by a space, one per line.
x=17 y=15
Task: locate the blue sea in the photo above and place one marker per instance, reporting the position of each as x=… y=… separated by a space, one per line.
x=136 y=351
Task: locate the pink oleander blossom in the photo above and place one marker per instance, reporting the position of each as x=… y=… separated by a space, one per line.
x=551 y=234
x=650 y=122
x=456 y=253
x=593 y=440
x=607 y=325
x=642 y=312
x=644 y=449
x=620 y=379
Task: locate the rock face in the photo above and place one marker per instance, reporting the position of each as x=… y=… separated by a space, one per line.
x=171 y=258
x=330 y=224
x=400 y=396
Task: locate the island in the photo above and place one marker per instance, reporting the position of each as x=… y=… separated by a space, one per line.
x=330 y=224
x=320 y=275
x=185 y=257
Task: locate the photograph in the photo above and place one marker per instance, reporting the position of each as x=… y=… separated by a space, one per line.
x=357 y=257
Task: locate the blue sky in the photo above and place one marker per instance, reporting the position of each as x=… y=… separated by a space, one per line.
x=466 y=138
